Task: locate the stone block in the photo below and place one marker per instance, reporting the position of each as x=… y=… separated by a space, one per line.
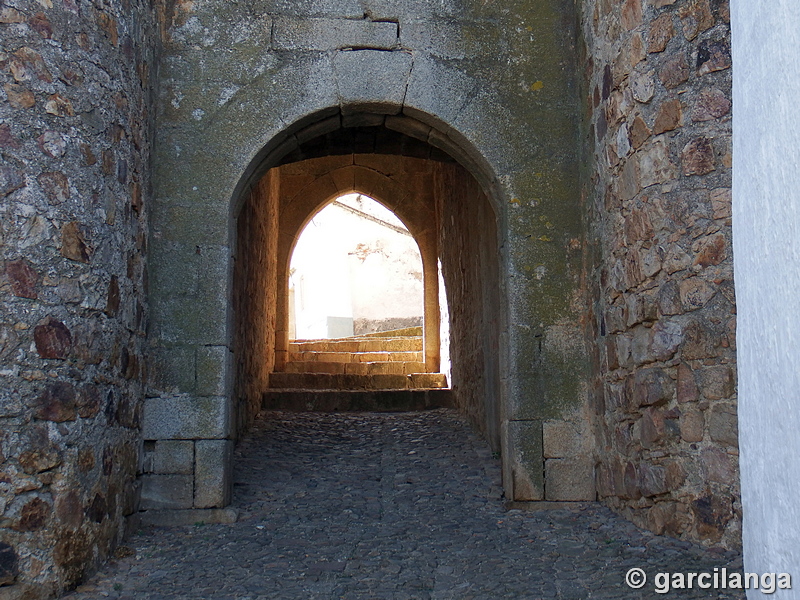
x=655 y=165
x=631 y=14
x=723 y=425
x=652 y=387
x=371 y=80
x=173 y=267
x=651 y=479
x=9 y=564
x=172 y=369
x=500 y=143
x=523 y=468
x=302 y=93
x=695 y=17
x=408 y=126
x=201 y=321
x=215 y=271
x=450 y=40
x=410 y=10
x=674 y=72
x=695 y=293
x=330 y=34
x=444 y=99
x=697 y=157
x=687 y=385
x=661 y=32
x=321 y=128
x=52 y=339
x=717 y=382
x=213 y=467
x=712 y=104
x=362 y=120
x=569 y=479
x=692 y=424
x=166 y=491
x=718 y=466
x=665 y=338
x=173 y=457
x=639 y=132
x=643 y=86
x=712 y=514
x=721 y=203
x=26 y=591
x=186 y=418
x=213 y=364
x=669 y=117
x=195 y=223
x=561 y=439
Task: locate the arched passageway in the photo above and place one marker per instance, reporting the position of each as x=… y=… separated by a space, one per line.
x=498 y=199
x=444 y=208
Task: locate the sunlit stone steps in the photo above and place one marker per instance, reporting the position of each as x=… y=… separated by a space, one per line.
x=359 y=344
x=390 y=360
x=357 y=368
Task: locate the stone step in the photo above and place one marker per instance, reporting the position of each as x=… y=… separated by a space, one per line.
x=345 y=381
x=393 y=344
x=407 y=331
x=356 y=368
x=363 y=400
x=355 y=357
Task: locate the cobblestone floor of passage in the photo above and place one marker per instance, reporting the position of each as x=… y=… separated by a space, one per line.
x=390 y=506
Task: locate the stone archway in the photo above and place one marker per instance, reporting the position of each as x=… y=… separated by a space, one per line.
x=445 y=210
x=213 y=148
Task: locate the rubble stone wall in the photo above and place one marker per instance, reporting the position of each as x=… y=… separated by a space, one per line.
x=469 y=254
x=75 y=125
x=255 y=301
x=658 y=102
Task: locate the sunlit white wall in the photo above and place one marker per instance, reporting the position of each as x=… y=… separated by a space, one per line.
x=766 y=254
x=347 y=266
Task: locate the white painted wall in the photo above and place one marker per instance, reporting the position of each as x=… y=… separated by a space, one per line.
x=766 y=229
x=347 y=266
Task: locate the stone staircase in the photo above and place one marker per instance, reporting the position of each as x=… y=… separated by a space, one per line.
x=379 y=371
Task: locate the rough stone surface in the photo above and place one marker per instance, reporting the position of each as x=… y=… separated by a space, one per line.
x=164 y=492
x=569 y=479
x=9 y=564
x=662 y=292
x=394 y=506
x=172 y=456
x=330 y=34
x=75 y=122
x=387 y=74
x=212 y=468
x=183 y=417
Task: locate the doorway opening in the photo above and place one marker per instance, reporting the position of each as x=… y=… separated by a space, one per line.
x=452 y=222
x=356 y=303
x=355 y=270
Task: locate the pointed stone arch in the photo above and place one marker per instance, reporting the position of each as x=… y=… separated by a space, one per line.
x=418 y=217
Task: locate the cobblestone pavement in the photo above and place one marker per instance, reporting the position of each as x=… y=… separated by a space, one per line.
x=390 y=506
